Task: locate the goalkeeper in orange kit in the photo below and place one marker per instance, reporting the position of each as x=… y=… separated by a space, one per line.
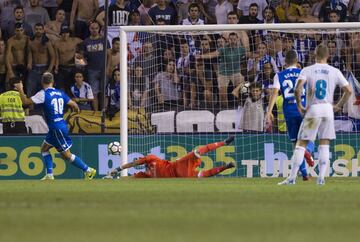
x=182 y=167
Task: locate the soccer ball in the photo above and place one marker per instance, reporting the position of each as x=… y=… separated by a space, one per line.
x=114 y=148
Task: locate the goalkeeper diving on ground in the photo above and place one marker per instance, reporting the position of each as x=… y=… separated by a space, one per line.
x=183 y=167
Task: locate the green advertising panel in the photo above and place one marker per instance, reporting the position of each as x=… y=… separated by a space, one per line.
x=256 y=155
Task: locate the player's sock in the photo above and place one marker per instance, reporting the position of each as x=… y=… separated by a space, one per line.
x=212 y=172
x=302 y=169
x=48 y=162
x=209 y=147
x=308 y=157
x=323 y=159
x=296 y=160
x=76 y=161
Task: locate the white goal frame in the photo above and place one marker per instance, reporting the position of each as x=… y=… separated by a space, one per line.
x=189 y=28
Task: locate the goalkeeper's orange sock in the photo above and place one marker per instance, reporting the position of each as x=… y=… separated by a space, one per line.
x=209 y=147
x=213 y=171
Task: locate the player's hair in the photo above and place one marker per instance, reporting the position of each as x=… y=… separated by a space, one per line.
x=233 y=13
x=39 y=25
x=115 y=39
x=255 y=85
x=13 y=81
x=254 y=5
x=321 y=52
x=291 y=57
x=193 y=5
x=19 y=7
x=47 y=78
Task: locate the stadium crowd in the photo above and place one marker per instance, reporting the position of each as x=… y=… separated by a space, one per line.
x=172 y=71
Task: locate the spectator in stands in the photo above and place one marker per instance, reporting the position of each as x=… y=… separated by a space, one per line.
x=253 y=113
x=82 y=12
x=147 y=60
x=16 y=53
x=306 y=14
x=2 y=66
x=144 y=9
x=231 y=60
x=165 y=11
x=316 y=6
x=334 y=16
x=51 y=6
x=210 y=9
x=41 y=58
x=256 y=63
x=118 y=14
x=94 y=55
x=81 y=92
x=288 y=44
x=266 y=77
x=53 y=28
x=113 y=94
x=353 y=54
x=194 y=16
x=7 y=8
x=65 y=49
x=206 y=73
x=269 y=16
x=185 y=71
x=335 y=59
x=134 y=18
x=66 y=5
x=243 y=7
x=252 y=18
x=35 y=14
x=167 y=85
x=328 y=6
x=9 y=27
x=271 y=38
x=139 y=89
x=304 y=46
x=233 y=18
x=222 y=9
x=11 y=110
x=113 y=56
x=288 y=12
x=354 y=10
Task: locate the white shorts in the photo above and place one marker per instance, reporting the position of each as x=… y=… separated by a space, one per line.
x=323 y=127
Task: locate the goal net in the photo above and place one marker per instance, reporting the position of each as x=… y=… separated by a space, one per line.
x=196 y=85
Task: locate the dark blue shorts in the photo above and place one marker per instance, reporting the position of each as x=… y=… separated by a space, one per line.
x=59 y=138
x=293 y=126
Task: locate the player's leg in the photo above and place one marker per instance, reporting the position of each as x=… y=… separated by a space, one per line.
x=309 y=150
x=45 y=147
x=307 y=132
x=216 y=170
x=213 y=146
x=79 y=163
x=326 y=133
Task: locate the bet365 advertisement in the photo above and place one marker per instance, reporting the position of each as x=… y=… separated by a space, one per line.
x=256 y=155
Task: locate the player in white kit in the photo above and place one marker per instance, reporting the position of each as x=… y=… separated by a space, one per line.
x=321 y=80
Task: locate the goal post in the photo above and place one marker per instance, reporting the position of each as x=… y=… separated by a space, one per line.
x=183 y=135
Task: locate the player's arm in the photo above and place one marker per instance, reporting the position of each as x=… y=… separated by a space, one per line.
x=274 y=92
x=74 y=106
x=24 y=99
x=141 y=161
x=344 y=98
x=298 y=93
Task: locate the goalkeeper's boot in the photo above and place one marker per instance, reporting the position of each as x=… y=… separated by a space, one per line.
x=320 y=181
x=48 y=177
x=230 y=165
x=287 y=181
x=229 y=140
x=90 y=173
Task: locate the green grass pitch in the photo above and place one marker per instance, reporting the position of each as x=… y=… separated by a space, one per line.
x=171 y=210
